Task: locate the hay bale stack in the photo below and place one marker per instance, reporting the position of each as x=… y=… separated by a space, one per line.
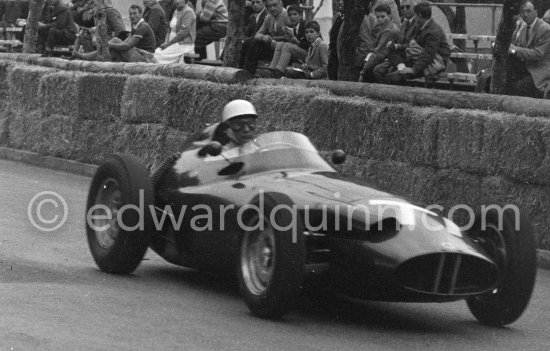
x=4 y=130
x=459 y=139
x=517 y=147
x=283 y=107
x=197 y=103
x=143 y=140
x=533 y=201
x=5 y=66
x=59 y=93
x=25 y=130
x=372 y=130
x=100 y=96
x=24 y=83
x=175 y=140
x=146 y=99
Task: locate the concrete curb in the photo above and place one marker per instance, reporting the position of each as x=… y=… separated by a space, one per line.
x=60 y=164
x=55 y=163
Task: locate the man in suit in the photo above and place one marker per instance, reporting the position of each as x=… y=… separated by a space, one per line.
x=262 y=46
x=428 y=52
x=529 y=55
x=55 y=27
x=397 y=48
x=255 y=22
x=156 y=19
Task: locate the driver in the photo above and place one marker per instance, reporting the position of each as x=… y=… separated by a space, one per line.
x=239 y=119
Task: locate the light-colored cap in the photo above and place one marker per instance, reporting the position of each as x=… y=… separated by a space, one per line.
x=237 y=108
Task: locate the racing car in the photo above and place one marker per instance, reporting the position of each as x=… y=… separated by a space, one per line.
x=280 y=214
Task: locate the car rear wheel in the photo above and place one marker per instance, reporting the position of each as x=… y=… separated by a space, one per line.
x=511 y=246
x=271 y=267
x=118 y=220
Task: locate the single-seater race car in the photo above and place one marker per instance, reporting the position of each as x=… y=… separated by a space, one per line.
x=278 y=214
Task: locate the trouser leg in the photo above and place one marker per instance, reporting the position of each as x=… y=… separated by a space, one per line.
x=257 y=50
x=276 y=54
x=207 y=34
x=291 y=51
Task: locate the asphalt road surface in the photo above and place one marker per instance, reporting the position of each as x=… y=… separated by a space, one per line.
x=53 y=297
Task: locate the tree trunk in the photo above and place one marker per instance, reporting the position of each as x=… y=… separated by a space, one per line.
x=31 y=33
x=506 y=28
x=235 y=33
x=102 y=36
x=354 y=11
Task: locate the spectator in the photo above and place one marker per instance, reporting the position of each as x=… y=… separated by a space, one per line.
x=293 y=49
x=255 y=22
x=393 y=7
x=397 y=48
x=316 y=63
x=13 y=10
x=113 y=20
x=83 y=12
x=387 y=32
x=169 y=6
x=529 y=55
x=211 y=24
x=263 y=44
x=333 y=62
x=427 y=53
x=181 y=38
x=138 y=47
x=55 y=27
x=156 y=19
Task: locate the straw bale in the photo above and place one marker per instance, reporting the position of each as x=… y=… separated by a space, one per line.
x=100 y=96
x=532 y=201
x=517 y=147
x=4 y=130
x=143 y=140
x=146 y=99
x=373 y=130
x=460 y=139
x=283 y=107
x=5 y=66
x=196 y=103
x=24 y=82
x=25 y=130
x=176 y=140
x=93 y=140
x=59 y=93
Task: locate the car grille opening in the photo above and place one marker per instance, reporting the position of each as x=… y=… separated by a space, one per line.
x=447 y=274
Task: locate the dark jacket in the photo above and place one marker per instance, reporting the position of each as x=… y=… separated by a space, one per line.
x=156 y=19
x=300 y=35
x=58 y=17
x=433 y=41
x=253 y=25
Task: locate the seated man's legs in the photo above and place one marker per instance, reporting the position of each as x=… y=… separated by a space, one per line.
x=41 y=38
x=244 y=51
x=276 y=54
x=207 y=34
x=290 y=51
x=525 y=86
x=257 y=50
x=380 y=71
x=59 y=37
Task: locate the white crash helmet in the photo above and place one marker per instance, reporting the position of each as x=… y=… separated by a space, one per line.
x=237 y=108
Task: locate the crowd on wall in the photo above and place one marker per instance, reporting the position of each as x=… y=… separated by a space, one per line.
x=398 y=40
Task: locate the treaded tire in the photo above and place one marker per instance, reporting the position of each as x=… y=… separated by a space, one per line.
x=518 y=270
x=280 y=295
x=118 y=182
